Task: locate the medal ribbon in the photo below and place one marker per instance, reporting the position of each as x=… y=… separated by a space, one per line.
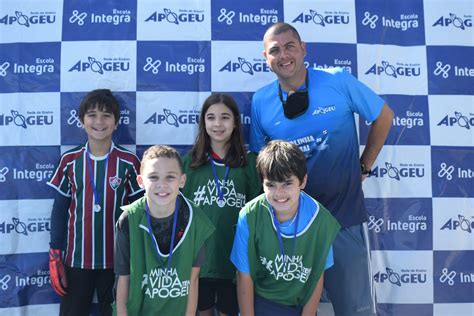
x=173 y=231
x=89 y=163
x=220 y=192
x=280 y=240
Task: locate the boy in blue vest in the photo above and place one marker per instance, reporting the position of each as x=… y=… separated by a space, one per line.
x=159 y=248
x=283 y=241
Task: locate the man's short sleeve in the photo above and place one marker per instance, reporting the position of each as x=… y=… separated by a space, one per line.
x=59 y=181
x=362 y=99
x=239 y=255
x=329 y=259
x=257 y=135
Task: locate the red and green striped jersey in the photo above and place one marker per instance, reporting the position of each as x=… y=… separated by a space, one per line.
x=91 y=234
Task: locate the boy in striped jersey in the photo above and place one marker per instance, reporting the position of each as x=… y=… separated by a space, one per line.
x=92 y=181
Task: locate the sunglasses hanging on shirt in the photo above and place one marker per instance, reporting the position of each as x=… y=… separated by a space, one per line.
x=296 y=103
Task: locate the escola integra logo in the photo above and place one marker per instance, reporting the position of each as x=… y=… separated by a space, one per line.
x=404 y=23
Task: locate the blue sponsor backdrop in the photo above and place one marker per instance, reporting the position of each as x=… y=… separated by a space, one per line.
x=54 y=51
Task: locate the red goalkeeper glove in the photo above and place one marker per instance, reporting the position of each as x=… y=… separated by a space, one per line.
x=56 y=272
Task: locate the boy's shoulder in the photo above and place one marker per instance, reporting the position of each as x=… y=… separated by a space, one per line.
x=137 y=207
x=73 y=153
x=256 y=204
x=124 y=152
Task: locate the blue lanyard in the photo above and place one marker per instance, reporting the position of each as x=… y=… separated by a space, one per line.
x=280 y=240
x=173 y=231
x=96 y=206
x=220 y=191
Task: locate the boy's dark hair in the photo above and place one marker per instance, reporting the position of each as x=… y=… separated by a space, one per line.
x=158 y=151
x=279 y=160
x=279 y=28
x=103 y=100
x=236 y=155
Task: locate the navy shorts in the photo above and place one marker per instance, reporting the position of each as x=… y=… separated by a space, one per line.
x=264 y=307
x=219 y=293
x=349 y=282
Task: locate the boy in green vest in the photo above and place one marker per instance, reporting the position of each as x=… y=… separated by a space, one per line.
x=283 y=241
x=159 y=248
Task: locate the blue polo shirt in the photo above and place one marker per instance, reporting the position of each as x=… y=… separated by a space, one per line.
x=326 y=133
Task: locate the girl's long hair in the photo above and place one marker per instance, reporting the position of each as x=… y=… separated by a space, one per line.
x=236 y=154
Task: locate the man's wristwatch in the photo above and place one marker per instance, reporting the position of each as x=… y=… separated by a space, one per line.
x=364 y=169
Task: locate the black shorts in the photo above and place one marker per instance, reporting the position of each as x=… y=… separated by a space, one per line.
x=221 y=293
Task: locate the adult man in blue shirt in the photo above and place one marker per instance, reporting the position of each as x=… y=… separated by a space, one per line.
x=315 y=109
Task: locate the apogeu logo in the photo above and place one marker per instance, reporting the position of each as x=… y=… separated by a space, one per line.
x=182 y=16
x=405 y=276
x=173 y=119
x=32 y=118
x=245 y=66
x=396 y=70
x=461 y=223
x=453 y=20
x=397 y=173
x=33 y=18
x=324 y=19
x=458 y=119
x=22 y=228
x=101 y=67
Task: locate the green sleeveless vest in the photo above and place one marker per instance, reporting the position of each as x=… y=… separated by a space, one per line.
x=154 y=290
x=293 y=282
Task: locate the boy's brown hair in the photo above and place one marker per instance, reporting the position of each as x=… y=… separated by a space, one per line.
x=158 y=151
x=279 y=160
x=103 y=100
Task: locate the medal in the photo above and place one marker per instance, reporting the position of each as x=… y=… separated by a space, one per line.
x=220 y=202
x=96 y=206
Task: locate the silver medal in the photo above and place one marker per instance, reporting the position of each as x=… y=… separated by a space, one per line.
x=220 y=202
x=96 y=208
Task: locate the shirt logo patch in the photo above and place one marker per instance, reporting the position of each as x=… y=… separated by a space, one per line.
x=115 y=182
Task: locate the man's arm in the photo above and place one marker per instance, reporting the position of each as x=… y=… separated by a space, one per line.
x=377 y=134
x=311 y=307
x=245 y=294
x=191 y=308
x=123 y=285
